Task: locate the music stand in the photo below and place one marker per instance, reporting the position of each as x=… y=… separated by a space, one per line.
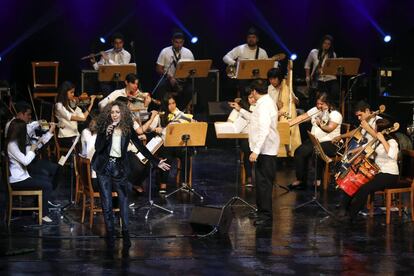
x=236 y=136
x=248 y=69
x=318 y=152
x=186 y=135
x=192 y=69
x=115 y=72
x=341 y=67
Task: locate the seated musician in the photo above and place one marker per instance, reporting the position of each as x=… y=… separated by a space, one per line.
x=244 y=143
x=172 y=115
x=88 y=138
x=20 y=156
x=368 y=123
x=38 y=166
x=69 y=113
x=326 y=124
x=386 y=159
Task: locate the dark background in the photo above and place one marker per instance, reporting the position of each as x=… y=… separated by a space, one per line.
x=67 y=30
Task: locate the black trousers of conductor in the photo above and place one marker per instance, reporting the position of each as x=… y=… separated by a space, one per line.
x=265 y=172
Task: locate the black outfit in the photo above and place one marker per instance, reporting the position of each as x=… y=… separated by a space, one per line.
x=304 y=152
x=44 y=168
x=356 y=203
x=113 y=173
x=265 y=172
x=171 y=153
x=244 y=147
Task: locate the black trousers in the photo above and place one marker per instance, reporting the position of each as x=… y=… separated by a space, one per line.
x=44 y=168
x=139 y=172
x=304 y=152
x=244 y=147
x=356 y=203
x=171 y=153
x=114 y=178
x=265 y=172
x=37 y=182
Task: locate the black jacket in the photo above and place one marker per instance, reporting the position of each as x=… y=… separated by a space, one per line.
x=103 y=147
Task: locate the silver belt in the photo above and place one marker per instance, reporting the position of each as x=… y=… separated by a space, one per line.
x=113 y=159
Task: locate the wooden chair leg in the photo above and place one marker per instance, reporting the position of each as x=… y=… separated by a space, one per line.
x=92 y=207
x=400 y=206
x=190 y=173
x=242 y=169
x=179 y=168
x=388 y=207
x=326 y=176
x=412 y=205
x=83 y=207
x=10 y=209
x=370 y=205
x=40 y=202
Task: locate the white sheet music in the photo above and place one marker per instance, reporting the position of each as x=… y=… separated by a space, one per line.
x=153 y=145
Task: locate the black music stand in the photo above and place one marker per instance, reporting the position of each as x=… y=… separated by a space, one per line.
x=318 y=152
x=193 y=69
x=186 y=135
x=341 y=67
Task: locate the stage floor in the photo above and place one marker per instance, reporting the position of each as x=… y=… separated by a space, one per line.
x=300 y=242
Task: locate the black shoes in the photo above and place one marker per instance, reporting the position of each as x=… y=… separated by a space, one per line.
x=125 y=239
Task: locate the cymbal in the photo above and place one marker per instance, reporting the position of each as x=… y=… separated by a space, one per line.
x=407 y=102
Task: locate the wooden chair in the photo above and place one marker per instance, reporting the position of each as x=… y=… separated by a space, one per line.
x=89 y=195
x=20 y=193
x=326 y=171
x=405 y=185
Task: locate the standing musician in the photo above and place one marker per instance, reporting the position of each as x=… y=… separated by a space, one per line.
x=167 y=64
x=386 y=160
x=250 y=50
x=116 y=55
x=286 y=102
x=326 y=124
x=69 y=114
x=20 y=156
x=313 y=69
x=264 y=144
x=110 y=161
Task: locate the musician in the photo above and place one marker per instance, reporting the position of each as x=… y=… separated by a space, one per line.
x=167 y=64
x=244 y=144
x=386 y=159
x=39 y=166
x=110 y=161
x=69 y=113
x=264 y=143
x=88 y=139
x=250 y=50
x=363 y=112
x=172 y=115
x=283 y=96
x=314 y=64
x=326 y=124
x=21 y=156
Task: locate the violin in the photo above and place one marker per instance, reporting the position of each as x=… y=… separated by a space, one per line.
x=84 y=99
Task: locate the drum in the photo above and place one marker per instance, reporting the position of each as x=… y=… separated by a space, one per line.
x=362 y=171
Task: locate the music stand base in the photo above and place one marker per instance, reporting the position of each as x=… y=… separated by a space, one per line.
x=314 y=200
x=152 y=205
x=186 y=188
x=237 y=198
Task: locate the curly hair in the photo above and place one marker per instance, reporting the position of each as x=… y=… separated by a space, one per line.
x=104 y=119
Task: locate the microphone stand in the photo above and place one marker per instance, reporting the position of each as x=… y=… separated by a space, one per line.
x=162 y=78
x=348 y=96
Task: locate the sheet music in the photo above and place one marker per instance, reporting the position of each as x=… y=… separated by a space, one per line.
x=63 y=159
x=153 y=145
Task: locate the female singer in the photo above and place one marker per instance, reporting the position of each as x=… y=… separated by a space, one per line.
x=20 y=157
x=69 y=114
x=326 y=124
x=110 y=161
x=386 y=159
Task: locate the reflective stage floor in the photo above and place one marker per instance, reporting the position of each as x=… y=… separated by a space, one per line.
x=299 y=242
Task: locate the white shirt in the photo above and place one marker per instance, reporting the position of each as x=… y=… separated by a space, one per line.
x=88 y=145
x=69 y=128
x=112 y=97
x=321 y=135
x=243 y=52
x=116 y=144
x=373 y=124
x=273 y=93
x=31 y=127
x=313 y=61
x=263 y=134
x=18 y=162
x=166 y=57
x=121 y=57
x=387 y=162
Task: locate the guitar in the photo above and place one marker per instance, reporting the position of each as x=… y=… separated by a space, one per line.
x=231 y=69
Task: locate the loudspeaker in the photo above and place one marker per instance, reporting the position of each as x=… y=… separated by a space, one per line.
x=207 y=90
x=204 y=218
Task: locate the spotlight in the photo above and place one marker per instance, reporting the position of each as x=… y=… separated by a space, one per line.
x=102 y=40
x=194 y=39
x=293 y=56
x=0 y=58
x=387 y=38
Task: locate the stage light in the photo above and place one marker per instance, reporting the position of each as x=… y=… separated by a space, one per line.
x=293 y=56
x=194 y=39
x=387 y=38
x=102 y=40
x=0 y=58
